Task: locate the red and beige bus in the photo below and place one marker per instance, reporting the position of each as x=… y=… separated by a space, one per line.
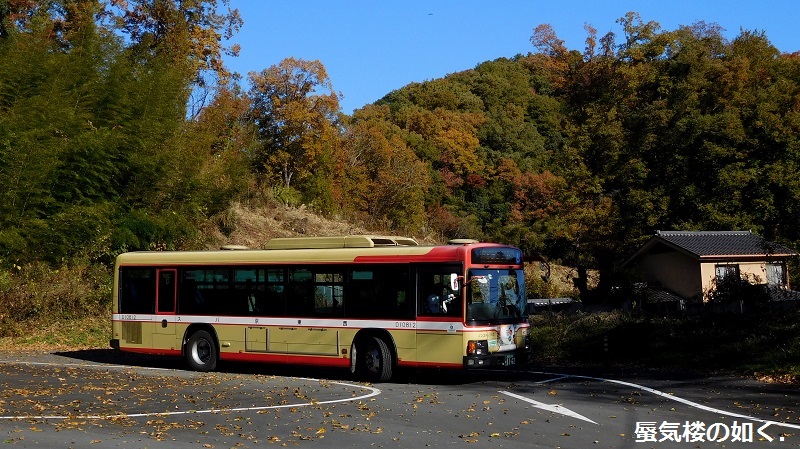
x=364 y=302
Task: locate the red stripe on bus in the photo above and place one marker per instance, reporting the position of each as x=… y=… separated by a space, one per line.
x=436 y=254
x=438 y=319
x=430 y=365
x=152 y=351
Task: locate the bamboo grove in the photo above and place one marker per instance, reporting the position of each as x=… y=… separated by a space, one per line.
x=121 y=129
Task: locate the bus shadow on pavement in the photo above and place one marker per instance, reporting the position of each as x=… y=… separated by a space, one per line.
x=427 y=376
x=114 y=357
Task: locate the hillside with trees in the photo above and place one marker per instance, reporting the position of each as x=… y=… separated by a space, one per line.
x=121 y=129
x=581 y=156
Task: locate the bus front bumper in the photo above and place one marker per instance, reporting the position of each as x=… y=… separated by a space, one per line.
x=496 y=360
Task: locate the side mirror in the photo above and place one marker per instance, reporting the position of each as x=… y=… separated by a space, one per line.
x=454 y=282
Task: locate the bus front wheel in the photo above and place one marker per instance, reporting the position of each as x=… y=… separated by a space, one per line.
x=201 y=352
x=376 y=360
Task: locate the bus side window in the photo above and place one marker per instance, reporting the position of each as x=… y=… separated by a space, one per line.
x=249 y=290
x=394 y=289
x=328 y=293
x=435 y=295
x=137 y=292
x=377 y=292
x=191 y=299
x=300 y=294
x=251 y=304
x=275 y=294
x=275 y=302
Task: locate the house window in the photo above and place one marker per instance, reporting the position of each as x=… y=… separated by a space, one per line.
x=776 y=274
x=724 y=271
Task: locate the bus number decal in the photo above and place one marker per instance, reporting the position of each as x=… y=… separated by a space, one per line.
x=405 y=324
x=128 y=317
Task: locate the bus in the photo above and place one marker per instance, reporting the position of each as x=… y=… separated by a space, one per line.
x=364 y=302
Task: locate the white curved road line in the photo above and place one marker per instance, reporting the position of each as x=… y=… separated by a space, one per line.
x=672 y=397
x=372 y=392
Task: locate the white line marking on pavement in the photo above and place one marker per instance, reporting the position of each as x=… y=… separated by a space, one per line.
x=674 y=398
x=555 y=379
x=549 y=407
x=371 y=392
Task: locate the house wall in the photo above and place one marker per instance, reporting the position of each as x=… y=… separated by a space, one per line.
x=675 y=271
x=754 y=272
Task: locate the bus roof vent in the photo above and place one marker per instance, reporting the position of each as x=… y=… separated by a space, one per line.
x=462 y=241
x=342 y=241
x=233 y=247
x=392 y=241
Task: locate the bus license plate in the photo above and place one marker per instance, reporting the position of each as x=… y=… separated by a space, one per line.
x=509 y=360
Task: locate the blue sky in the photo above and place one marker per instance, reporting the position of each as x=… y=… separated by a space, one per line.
x=370 y=48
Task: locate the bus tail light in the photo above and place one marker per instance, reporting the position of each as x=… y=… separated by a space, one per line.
x=477 y=347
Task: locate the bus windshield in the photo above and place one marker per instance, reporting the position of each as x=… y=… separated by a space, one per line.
x=496 y=295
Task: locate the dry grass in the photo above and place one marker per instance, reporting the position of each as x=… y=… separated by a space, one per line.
x=254 y=226
x=61 y=335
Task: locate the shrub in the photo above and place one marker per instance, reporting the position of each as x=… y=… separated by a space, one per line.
x=35 y=295
x=733 y=289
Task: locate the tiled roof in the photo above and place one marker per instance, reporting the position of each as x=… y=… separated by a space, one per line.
x=656 y=295
x=723 y=243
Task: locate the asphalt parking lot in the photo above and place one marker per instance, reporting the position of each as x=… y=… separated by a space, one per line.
x=103 y=399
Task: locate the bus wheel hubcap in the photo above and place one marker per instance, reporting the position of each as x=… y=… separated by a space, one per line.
x=201 y=351
x=372 y=361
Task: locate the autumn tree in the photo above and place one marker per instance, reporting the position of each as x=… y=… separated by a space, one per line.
x=187 y=33
x=295 y=110
x=384 y=181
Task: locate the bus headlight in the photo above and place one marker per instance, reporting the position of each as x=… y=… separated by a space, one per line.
x=477 y=347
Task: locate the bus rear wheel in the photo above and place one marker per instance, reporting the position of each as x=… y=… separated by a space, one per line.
x=201 y=352
x=376 y=360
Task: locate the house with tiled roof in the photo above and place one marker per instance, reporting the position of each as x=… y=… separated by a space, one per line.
x=689 y=263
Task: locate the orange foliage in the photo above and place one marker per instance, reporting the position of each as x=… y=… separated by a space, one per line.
x=295 y=108
x=534 y=196
x=382 y=177
x=453 y=134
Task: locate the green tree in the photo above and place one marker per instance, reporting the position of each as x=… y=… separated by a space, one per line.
x=90 y=135
x=53 y=159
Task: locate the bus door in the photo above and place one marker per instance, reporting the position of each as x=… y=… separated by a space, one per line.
x=164 y=320
x=439 y=316
x=318 y=296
